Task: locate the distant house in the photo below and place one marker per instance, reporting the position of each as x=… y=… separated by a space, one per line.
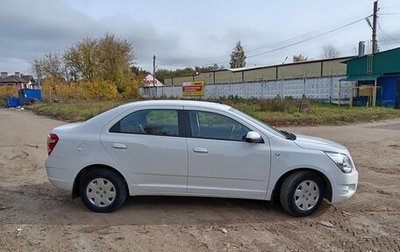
x=31 y=83
x=19 y=80
x=150 y=81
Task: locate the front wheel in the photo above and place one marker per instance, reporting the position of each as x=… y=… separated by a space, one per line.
x=102 y=190
x=301 y=193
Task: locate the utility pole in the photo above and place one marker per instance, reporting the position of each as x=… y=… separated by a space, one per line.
x=374 y=47
x=154 y=74
x=374 y=19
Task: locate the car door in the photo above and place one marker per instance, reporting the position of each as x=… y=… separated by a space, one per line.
x=221 y=163
x=150 y=145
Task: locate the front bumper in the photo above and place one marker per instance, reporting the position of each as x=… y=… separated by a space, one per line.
x=344 y=187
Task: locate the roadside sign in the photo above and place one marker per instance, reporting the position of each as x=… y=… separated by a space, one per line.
x=195 y=88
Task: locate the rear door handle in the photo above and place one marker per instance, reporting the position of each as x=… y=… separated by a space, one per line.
x=200 y=150
x=119 y=146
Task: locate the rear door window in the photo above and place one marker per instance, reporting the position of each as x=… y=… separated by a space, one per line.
x=162 y=122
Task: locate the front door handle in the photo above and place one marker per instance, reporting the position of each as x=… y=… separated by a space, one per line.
x=119 y=146
x=200 y=150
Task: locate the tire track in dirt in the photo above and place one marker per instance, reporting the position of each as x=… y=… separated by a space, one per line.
x=52 y=221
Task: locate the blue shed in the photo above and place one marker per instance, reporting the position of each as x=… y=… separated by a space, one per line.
x=381 y=72
x=390 y=86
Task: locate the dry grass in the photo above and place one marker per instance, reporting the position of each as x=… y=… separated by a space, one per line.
x=6 y=92
x=282 y=113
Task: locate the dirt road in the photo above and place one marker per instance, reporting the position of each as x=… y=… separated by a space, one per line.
x=35 y=216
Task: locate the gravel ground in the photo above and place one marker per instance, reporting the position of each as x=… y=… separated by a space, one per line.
x=35 y=216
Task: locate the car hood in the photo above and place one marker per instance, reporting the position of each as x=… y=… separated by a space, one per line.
x=316 y=143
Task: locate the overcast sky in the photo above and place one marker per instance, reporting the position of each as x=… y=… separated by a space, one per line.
x=189 y=33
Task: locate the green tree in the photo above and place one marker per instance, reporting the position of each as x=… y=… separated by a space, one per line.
x=238 y=57
x=162 y=73
x=138 y=71
x=81 y=59
x=114 y=59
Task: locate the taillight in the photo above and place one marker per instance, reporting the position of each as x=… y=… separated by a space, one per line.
x=52 y=140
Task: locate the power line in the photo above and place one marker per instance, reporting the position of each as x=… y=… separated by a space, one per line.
x=387 y=35
x=168 y=64
x=389 y=6
x=342 y=53
x=282 y=47
x=390 y=13
x=308 y=39
x=300 y=36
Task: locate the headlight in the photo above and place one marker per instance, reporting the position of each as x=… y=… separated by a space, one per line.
x=342 y=161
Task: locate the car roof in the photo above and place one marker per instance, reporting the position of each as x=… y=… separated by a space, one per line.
x=200 y=104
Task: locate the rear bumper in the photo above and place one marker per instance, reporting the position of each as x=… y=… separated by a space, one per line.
x=61 y=178
x=345 y=186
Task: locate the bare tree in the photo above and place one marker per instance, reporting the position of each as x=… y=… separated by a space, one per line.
x=50 y=65
x=37 y=69
x=53 y=64
x=330 y=52
x=299 y=58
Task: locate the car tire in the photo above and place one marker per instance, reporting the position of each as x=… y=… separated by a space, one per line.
x=103 y=190
x=301 y=193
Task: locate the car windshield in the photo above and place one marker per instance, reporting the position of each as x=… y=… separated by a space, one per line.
x=260 y=123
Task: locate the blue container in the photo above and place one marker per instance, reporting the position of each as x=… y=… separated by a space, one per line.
x=29 y=95
x=13 y=102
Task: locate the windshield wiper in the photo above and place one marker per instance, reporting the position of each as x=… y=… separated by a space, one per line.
x=288 y=135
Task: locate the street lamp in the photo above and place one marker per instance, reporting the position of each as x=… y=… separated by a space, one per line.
x=195 y=74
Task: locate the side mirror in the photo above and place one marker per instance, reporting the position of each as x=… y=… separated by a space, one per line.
x=253 y=137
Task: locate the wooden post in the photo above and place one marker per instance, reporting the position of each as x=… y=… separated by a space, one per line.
x=351 y=95
x=340 y=87
x=374 y=95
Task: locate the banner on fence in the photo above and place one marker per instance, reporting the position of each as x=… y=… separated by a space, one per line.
x=193 y=88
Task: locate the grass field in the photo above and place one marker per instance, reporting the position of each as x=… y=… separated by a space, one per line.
x=275 y=112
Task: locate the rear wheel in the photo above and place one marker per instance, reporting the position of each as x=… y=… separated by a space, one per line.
x=103 y=190
x=301 y=193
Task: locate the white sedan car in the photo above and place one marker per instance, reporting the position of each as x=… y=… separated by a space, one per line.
x=192 y=148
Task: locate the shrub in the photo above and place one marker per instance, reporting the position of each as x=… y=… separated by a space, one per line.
x=131 y=89
x=279 y=105
x=8 y=91
x=97 y=89
x=5 y=92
